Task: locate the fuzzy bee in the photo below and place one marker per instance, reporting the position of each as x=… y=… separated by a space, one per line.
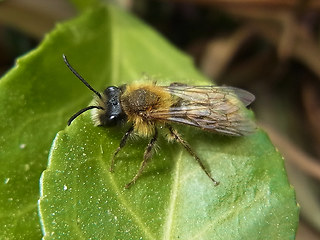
x=146 y=106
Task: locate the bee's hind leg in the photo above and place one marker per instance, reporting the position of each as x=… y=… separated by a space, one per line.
x=147 y=155
x=178 y=138
x=122 y=144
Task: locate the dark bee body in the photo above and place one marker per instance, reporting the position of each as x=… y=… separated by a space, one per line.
x=211 y=108
x=139 y=102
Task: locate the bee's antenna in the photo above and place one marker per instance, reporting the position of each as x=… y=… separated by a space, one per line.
x=82 y=111
x=79 y=76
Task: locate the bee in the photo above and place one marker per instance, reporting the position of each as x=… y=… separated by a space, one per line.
x=216 y=109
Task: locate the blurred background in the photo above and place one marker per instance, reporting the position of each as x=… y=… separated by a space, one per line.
x=269 y=47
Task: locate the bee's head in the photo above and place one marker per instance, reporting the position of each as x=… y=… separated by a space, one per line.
x=110 y=112
x=113 y=113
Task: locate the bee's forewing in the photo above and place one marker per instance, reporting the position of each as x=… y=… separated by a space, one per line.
x=218 y=109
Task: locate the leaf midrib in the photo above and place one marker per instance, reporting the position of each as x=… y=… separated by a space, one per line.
x=173 y=199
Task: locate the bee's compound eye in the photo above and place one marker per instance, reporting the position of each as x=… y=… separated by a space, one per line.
x=112 y=117
x=110 y=120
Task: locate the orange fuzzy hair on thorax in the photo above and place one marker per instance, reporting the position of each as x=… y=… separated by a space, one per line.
x=139 y=101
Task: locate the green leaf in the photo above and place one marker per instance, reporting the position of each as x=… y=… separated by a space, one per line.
x=36 y=99
x=80 y=198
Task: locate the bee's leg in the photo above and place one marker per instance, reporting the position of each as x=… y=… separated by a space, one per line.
x=122 y=144
x=147 y=155
x=178 y=138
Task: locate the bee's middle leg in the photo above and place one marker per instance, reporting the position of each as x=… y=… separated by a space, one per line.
x=147 y=155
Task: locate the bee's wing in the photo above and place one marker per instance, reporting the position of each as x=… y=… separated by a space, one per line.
x=210 y=93
x=218 y=109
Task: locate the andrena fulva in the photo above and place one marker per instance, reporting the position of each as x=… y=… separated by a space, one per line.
x=146 y=106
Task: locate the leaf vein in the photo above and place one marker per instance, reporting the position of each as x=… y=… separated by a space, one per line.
x=173 y=199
